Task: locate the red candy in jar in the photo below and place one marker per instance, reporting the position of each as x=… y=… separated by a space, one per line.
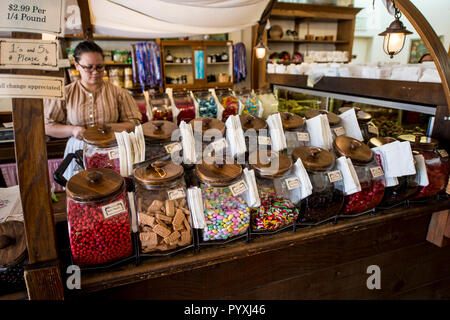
x=369 y=172
x=185 y=105
x=98 y=217
x=161 y=107
x=100 y=148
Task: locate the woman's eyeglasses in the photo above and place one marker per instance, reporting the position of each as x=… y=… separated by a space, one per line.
x=98 y=68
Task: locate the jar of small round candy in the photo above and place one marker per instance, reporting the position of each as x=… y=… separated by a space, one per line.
x=256 y=133
x=279 y=192
x=158 y=139
x=406 y=187
x=333 y=119
x=368 y=171
x=210 y=133
x=185 y=105
x=98 y=217
x=207 y=106
x=295 y=131
x=229 y=102
x=327 y=198
x=160 y=107
x=163 y=213
x=100 y=148
x=368 y=128
x=250 y=102
x=269 y=102
x=226 y=212
x=436 y=163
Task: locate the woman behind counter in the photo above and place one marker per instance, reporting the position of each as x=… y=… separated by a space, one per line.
x=89 y=101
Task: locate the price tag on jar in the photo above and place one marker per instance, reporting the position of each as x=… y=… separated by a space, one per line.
x=173 y=147
x=335 y=176
x=376 y=172
x=373 y=129
x=339 y=131
x=443 y=153
x=263 y=140
x=238 y=188
x=113 y=154
x=112 y=209
x=292 y=183
x=303 y=136
x=176 y=194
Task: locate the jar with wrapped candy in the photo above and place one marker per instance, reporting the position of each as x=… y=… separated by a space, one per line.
x=207 y=106
x=229 y=102
x=251 y=104
x=160 y=107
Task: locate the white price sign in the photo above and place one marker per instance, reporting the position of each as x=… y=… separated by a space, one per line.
x=22 y=86
x=292 y=183
x=173 y=147
x=303 y=136
x=263 y=140
x=335 y=176
x=339 y=131
x=43 y=16
x=377 y=172
x=176 y=194
x=238 y=188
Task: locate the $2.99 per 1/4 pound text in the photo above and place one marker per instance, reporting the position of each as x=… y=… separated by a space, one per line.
x=26 y=13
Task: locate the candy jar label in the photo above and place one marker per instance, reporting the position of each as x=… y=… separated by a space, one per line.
x=373 y=129
x=238 y=188
x=113 y=154
x=335 y=176
x=443 y=153
x=113 y=209
x=303 y=136
x=292 y=183
x=173 y=147
x=176 y=194
x=339 y=131
x=263 y=140
x=376 y=172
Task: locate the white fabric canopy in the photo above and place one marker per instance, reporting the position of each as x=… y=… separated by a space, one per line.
x=173 y=18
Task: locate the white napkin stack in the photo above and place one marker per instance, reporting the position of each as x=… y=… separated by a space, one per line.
x=351 y=181
x=421 y=175
x=10 y=204
x=305 y=183
x=235 y=136
x=241 y=105
x=220 y=108
x=390 y=181
x=188 y=143
x=131 y=149
x=195 y=202
x=134 y=220
x=253 y=195
x=276 y=132
x=175 y=110
x=197 y=110
x=397 y=159
x=148 y=106
x=320 y=132
x=350 y=124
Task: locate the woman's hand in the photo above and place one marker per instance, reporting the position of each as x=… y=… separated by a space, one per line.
x=77 y=132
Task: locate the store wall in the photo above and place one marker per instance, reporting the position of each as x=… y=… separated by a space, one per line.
x=371 y=21
x=245 y=36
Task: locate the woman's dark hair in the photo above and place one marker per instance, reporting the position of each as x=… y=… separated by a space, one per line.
x=86 y=46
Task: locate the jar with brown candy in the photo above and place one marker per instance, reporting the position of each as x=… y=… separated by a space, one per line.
x=163 y=213
x=100 y=148
x=327 y=198
x=295 y=131
x=158 y=139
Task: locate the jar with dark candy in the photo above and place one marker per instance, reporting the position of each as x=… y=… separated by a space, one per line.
x=295 y=131
x=369 y=172
x=158 y=139
x=327 y=198
x=98 y=217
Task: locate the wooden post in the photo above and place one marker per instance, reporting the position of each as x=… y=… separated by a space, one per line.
x=439 y=229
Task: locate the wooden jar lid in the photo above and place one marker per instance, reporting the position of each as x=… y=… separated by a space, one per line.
x=158 y=173
x=206 y=123
x=158 y=130
x=94 y=185
x=352 y=148
x=379 y=141
x=333 y=119
x=217 y=174
x=13 y=246
x=419 y=141
x=261 y=163
x=313 y=158
x=101 y=135
x=251 y=122
x=291 y=121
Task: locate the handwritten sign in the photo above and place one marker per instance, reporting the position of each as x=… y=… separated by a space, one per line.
x=28 y=54
x=23 y=86
x=43 y=16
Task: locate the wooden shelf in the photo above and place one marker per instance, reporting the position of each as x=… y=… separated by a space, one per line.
x=218 y=63
x=313 y=12
x=100 y=37
x=307 y=41
x=178 y=64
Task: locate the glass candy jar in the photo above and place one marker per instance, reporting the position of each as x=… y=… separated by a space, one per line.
x=436 y=164
x=333 y=119
x=269 y=102
x=279 y=192
x=100 y=148
x=256 y=133
x=295 y=131
x=98 y=217
x=368 y=128
x=207 y=106
x=229 y=102
x=160 y=107
x=406 y=187
x=250 y=102
x=163 y=213
x=368 y=171
x=226 y=211
x=327 y=198
x=185 y=105
x=158 y=138
x=209 y=132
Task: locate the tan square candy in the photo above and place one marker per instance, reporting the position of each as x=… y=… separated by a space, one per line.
x=170 y=209
x=155 y=206
x=161 y=230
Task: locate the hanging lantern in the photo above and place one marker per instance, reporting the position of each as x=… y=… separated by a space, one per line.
x=260 y=51
x=394 y=36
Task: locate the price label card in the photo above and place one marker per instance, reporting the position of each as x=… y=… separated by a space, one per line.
x=113 y=154
x=335 y=176
x=113 y=209
x=263 y=140
x=37 y=87
x=443 y=153
x=339 y=131
x=303 y=136
x=376 y=172
x=373 y=129
x=173 y=147
x=292 y=183
x=176 y=194
x=238 y=188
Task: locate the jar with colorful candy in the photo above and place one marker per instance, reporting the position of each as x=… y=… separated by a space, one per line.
x=158 y=139
x=368 y=129
x=333 y=119
x=229 y=102
x=406 y=188
x=223 y=189
x=207 y=106
x=369 y=173
x=269 y=102
x=163 y=213
x=160 y=106
x=251 y=104
x=185 y=105
x=98 y=217
x=100 y=148
x=279 y=192
x=295 y=131
x=210 y=134
x=437 y=164
x=327 y=197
